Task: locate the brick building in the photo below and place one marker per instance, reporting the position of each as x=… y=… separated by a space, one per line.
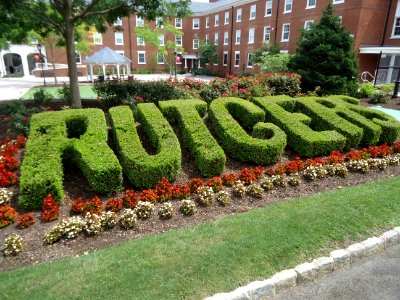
x=240 y=27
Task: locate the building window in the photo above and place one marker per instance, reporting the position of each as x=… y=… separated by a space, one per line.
x=311 y=3
x=118 y=22
x=78 y=57
x=119 y=38
x=159 y=22
x=226 y=20
x=141 y=57
x=251 y=35
x=288 y=6
x=160 y=59
x=308 y=24
x=396 y=27
x=98 y=38
x=338 y=1
x=225 y=58
x=285 y=32
x=250 y=60
x=207 y=39
x=216 y=38
x=207 y=22
x=178 y=40
x=267 y=34
x=178 y=22
x=140 y=41
x=268 y=8
x=226 y=38
x=253 y=12
x=195 y=43
x=237 y=58
x=239 y=15
x=139 y=21
x=161 y=39
x=216 y=20
x=196 y=23
x=238 y=34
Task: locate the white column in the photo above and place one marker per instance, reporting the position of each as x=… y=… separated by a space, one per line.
x=91 y=73
x=128 y=66
x=2 y=68
x=185 y=63
x=25 y=66
x=390 y=70
x=104 y=70
x=118 y=70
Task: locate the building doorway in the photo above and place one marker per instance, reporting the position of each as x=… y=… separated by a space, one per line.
x=13 y=64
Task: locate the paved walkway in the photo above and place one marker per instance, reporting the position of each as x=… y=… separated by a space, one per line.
x=376 y=278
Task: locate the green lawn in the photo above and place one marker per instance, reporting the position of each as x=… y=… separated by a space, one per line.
x=86 y=92
x=216 y=256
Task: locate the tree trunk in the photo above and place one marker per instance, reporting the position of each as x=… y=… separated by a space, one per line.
x=72 y=69
x=54 y=70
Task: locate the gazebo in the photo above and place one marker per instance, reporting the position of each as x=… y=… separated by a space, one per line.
x=104 y=57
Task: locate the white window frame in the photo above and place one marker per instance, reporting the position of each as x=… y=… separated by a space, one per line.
x=252 y=33
x=306 y=24
x=140 y=42
x=161 y=39
x=239 y=15
x=226 y=19
x=216 y=38
x=395 y=36
x=309 y=6
x=226 y=38
x=138 y=57
x=120 y=36
x=97 y=38
x=118 y=22
x=285 y=25
x=223 y=58
x=196 y=23
x=253 y=12
x=237 y=65
x=337 y=1
x=207 y=39
x=248 y=61
x=159 y=22
x=267 y=28
x=238 y=37
x=178 y=37
x=158 y=59
x=180 y=22
x=268 y=6
x=196 y=44
x=288 y=6
x=207 y=22
x=139 y=21
x=216 y=20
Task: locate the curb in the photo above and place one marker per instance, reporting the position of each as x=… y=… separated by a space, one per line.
x=305 y=272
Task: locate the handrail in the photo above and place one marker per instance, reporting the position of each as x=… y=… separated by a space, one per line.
x=364 y=77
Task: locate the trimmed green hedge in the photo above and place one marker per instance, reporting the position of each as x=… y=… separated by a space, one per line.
x=268 y=141
x=208 y=155
x=301 y=137
x=143 y=169
x=80 y=135
x=390 y=127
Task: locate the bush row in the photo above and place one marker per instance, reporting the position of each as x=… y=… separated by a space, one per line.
x=79 y=136
x=208 y=155
x=141 y=168
x=268 y=140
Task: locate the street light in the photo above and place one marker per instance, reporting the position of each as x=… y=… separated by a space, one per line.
x=175 y=53
x=39 y=47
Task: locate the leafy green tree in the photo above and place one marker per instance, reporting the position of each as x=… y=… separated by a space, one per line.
x=266 y=49
x=208 y=53
x=325 y=57
x=62 y=16
x=270 y=60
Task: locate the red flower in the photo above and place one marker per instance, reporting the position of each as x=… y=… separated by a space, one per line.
x=194 y=184
x=114 y=204
x=93 y=206
x=131 y=199
x=77 y=205
x=50 y=210
x=26 y=220
x=7 y=215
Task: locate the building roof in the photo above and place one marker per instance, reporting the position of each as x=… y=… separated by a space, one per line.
x=199 y=8
x=107 y=56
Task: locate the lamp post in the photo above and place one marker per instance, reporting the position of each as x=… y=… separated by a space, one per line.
x=39 y=47
x=175 y=53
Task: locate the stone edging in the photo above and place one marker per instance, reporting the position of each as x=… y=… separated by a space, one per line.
x=338 y=259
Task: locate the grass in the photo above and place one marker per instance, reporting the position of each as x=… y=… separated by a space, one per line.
x=86 y=92
x=191 y=263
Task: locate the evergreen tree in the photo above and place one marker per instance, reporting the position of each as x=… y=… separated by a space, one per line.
x=325 y=57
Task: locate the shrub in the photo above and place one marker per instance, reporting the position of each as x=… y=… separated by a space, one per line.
x=294 y=180
x=267 y=142
x=50 y=210
x=281 y=83
x=12 y=245
x=301 y=137
x=378 y=97
x=165 y=211
x=65 y=92
x=130 y=199
x=142 y=169
x=164 y=189
x=128 y=219
x=114 y=204
x=205 y=195
x=267 y=184
x=26 y=220
x=180 y=191
x=365 y=90
x=7 y=215
x=108 y=219
x=279 y=181
x=223 y=198
x=195 y=183
x=77 y=205
x=5 y=196
x=208 y=155
x=42 y=97
x=239 y=189
x=68 y=228
x=78 y=135
x=93 y=206
x=341 y=170
x=358 y=166
x=144 y=210
x=247 y=176
x=255 y=190
x=215 y=183
x=228 y=179
x=92 y=224
x=187 y=208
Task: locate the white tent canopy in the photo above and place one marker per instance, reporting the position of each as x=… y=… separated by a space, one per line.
x=107 y=56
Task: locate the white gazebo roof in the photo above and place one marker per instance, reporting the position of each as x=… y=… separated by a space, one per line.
x=106 y=56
